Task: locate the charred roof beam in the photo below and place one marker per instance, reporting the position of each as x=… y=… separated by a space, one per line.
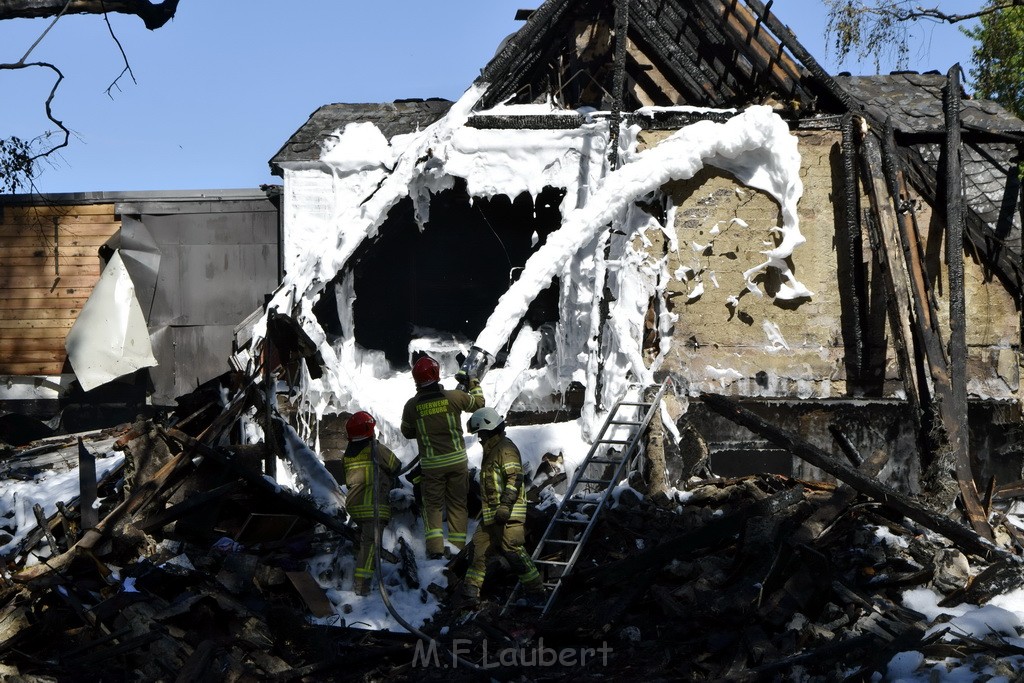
x=701 y=40
x=769 y=56
x=522 y=53
x=681 y=62
x=789 y=41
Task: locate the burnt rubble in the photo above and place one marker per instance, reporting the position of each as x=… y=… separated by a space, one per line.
x=197 y=567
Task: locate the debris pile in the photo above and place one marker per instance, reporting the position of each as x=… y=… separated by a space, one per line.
x=191 y=564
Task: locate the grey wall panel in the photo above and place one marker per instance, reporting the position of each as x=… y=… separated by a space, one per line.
x=200 y=354
x=221 y=284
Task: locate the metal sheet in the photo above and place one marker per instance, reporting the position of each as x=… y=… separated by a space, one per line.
x=110 y=338
x=141 y=257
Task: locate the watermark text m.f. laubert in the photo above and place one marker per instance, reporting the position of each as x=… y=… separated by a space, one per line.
x=465 y=650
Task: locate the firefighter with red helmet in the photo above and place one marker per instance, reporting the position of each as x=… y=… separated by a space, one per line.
x=358 y=465
x=432 y=418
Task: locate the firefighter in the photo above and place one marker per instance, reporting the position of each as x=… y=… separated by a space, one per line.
x=501 y=529
x=362 y=448
x=432 y=418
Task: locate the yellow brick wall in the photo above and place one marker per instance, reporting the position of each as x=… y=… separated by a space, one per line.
x=735 y=349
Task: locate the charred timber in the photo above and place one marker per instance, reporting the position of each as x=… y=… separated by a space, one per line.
x=955 y=252
x=154 y=15
x=965 y=538
x=787 y=39
x=894 y=275
x=851 y=216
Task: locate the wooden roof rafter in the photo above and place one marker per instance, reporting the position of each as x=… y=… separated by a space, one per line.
x=712 y=52
x=681 y=63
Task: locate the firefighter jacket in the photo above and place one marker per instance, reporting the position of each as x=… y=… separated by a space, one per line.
x=358 y=464
x=432 y=418
x=501 y=479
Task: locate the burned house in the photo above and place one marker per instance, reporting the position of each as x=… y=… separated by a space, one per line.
x=782 y=271
x=546 y=218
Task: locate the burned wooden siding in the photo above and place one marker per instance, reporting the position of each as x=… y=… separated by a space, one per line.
x=50 y=260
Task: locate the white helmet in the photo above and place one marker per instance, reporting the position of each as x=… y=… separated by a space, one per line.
x=486 y=418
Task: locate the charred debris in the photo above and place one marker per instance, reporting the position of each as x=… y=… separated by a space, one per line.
x=185 y=562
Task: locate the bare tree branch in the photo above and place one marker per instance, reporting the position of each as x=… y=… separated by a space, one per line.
x=154 y=15
x=49 y=101
x=43 y=34
x=906 y=13
x=127 y=67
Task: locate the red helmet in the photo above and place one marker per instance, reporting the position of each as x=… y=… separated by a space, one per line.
x=426 y=371
x=360 y=426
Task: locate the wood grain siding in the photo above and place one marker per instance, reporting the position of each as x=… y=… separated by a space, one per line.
x=49 y=264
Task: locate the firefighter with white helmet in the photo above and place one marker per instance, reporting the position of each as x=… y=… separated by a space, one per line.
x=503 y=493
x=432 y=418
x=357 y=463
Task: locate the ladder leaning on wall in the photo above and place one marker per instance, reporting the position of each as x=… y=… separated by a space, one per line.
x=588 y=493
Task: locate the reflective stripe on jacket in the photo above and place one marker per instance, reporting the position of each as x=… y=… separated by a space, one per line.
x=358 y=464
x=432 y=417
x=501 y=479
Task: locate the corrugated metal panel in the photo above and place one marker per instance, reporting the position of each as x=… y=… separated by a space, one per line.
x=49 y=264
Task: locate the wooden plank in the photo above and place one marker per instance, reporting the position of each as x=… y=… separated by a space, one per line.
x=49 y=233
x=738 y=21
x=61 y=220
x=47 y=262
x=955 y=265
x=40 y=313
x=13 y=212
x=21 y=351
x=35 y=329
x=66 y=270
x=87 y=487
x=952 y=452
x=92 y=270
x=58 y=298
x=66 y=240
x=41 y=251
x=894 y=271
x=46 y=281
x=312 y=594
x=9 y=367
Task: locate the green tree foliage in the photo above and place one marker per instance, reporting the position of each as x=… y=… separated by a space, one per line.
x=997 y=70
x=877 y=29
x=15 y=164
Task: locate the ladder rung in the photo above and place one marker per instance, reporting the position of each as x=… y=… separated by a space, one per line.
x=593 y=481
x=624 y=422
x=562 y=541
x=604 y=461
x=555 y=562
x=628 y=403
x=618 y=441
x=572 y=521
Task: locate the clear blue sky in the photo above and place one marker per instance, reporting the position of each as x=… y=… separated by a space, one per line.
x=221 y=87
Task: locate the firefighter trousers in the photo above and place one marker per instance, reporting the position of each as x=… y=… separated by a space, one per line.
x=368 y=544
x=445 y=490
x=506 y=540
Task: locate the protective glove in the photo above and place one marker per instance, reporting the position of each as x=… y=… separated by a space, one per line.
x=502 y=514
x=462 y=377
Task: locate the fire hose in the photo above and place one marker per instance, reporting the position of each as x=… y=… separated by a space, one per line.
x=378 y=538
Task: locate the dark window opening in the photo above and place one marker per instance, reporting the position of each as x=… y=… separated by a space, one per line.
x=448 y=277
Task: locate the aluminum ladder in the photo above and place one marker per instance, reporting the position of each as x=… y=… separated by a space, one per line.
x=616 y=445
